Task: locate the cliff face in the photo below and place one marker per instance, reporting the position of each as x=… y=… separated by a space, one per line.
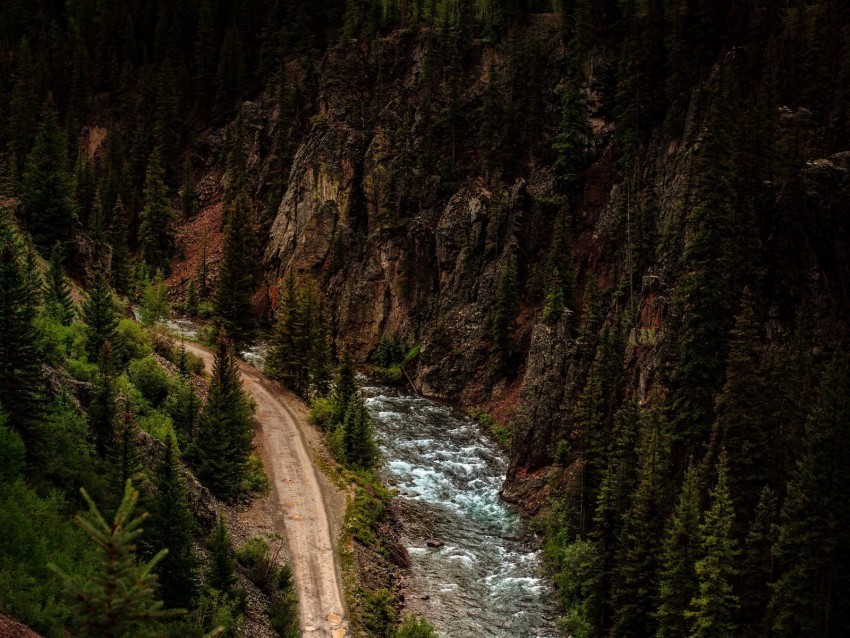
x=419 y=165
x=392 y=204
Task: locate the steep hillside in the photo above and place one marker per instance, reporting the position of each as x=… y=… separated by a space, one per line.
x=619 y=230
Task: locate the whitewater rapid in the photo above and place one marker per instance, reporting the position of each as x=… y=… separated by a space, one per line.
x=486 y=580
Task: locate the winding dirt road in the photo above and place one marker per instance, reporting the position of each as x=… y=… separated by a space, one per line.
x=292 y=475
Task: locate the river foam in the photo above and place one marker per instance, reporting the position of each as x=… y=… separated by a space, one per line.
x=486 y=579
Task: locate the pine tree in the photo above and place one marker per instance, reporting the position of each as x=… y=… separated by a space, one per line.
x=154 y=303
x=103 y=408
x=635 y=590
x=345 y=387
x=57 y=292
x=167 y=121
x=677 y=581
x=220 y=576
x=310 y=365
x=192 y=298
x=560 y=287
x=24 y=103
x=811 y=596
x=21 y=382
x=99 y=314
x=236 y=277
x=225 y=435
x=46 y=191
x=119 y=270
x=85 y=186
x=358 y=438
x=741 y=423
x=284 y=360
x=156 y=232
x=757 y=567
x=573 y=138
x=703 y=301
x=184 y=406
x=171 y=525
x=504 y=314
x=713 y=609
x=97 y=220
x=120 y=599
x=123 y=456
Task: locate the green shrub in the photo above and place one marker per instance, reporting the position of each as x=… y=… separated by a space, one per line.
x=379 y=614
x=415 y=627
x=254 y=550
x=501 y=432
x=255 y=476
x=207 y=334
x=206 y=310
x=283 y=614
x=130 y=342
x=195 y=364
x=150 y=379
x=11 y=453
x=157 y=424
x=367 y=508
x=215 y=609
x=81 y=370
x=55 y=339
x=65 y=451
x=321 y=412
x=163 y=341
x=34 y=532
x=154 y=303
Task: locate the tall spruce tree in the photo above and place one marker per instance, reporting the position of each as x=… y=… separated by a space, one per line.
x=104 y=408
x=634 y=592
x=742 y=426
x=117 y=236
x=677 y=582
x=21 y=382
x=225 y=433
x=345 y=387
x=57 y=291
x=361 y=453
x=757 y=568
x=284 y=360
x=220 y=574
x=319 y=343
x=99 y=314
x=573 y=138
x=811 y=596
x=171 y=525
x=703 y=301
x=46 y=191
x=714 y=608
x=236 y=277
x=156 y=232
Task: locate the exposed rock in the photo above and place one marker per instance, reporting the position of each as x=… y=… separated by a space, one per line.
x=12 y=629
x=542 y=413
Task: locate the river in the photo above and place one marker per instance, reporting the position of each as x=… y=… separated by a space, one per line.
x=486 y=580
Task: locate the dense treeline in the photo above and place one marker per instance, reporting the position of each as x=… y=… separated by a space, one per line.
x=686 y=513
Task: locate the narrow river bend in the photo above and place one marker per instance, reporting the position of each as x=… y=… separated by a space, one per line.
x=486 y=580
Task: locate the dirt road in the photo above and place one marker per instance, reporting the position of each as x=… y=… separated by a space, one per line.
x=293 y=478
